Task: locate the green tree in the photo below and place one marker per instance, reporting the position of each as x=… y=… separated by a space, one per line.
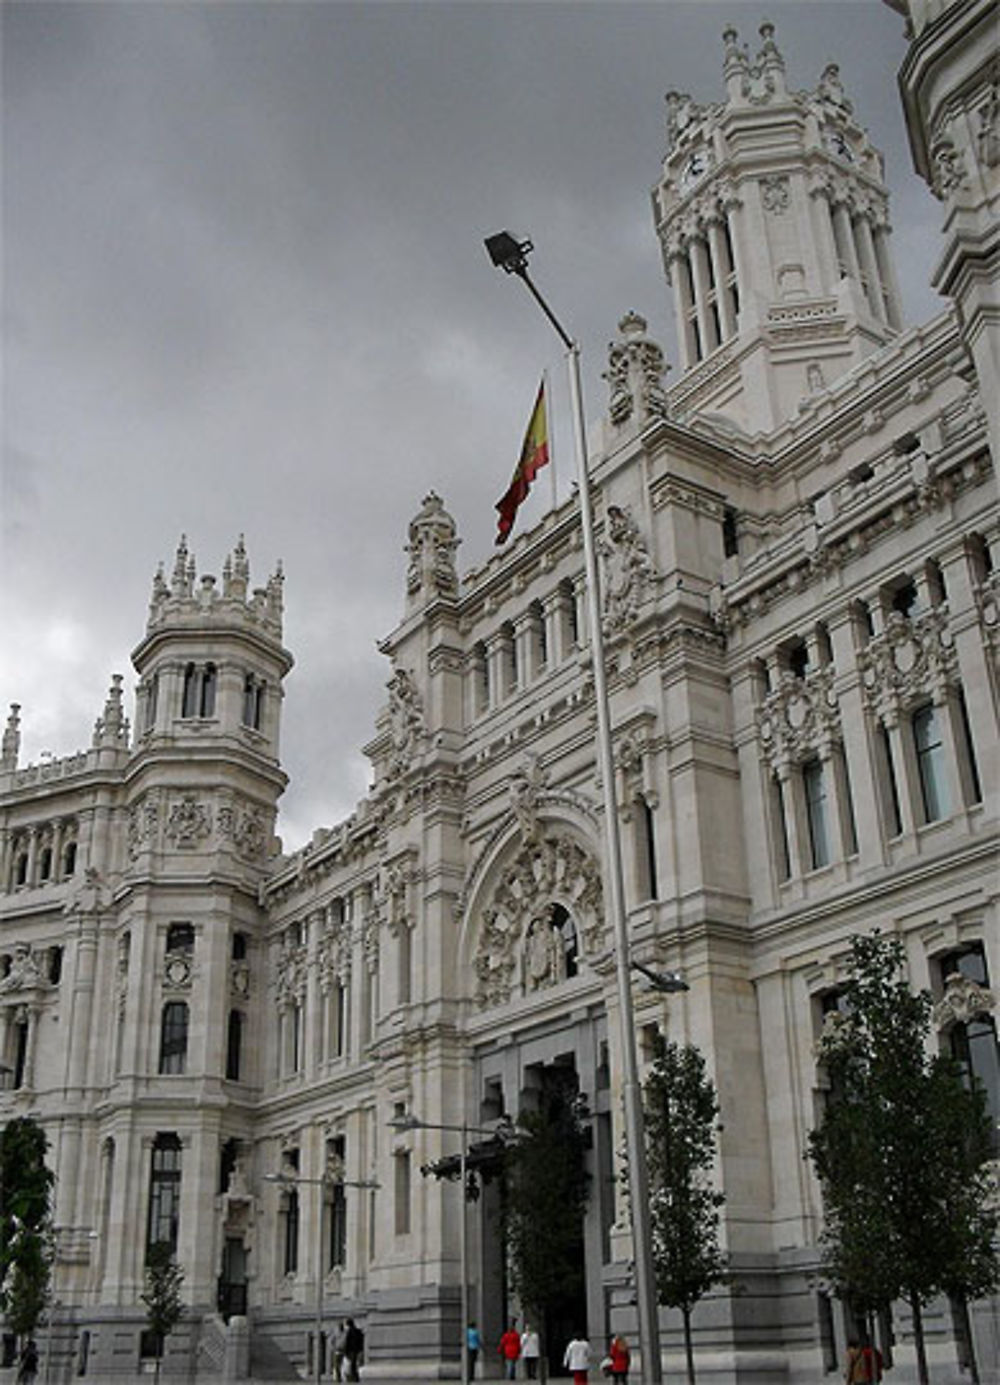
x=162 y=1294
x=546 y=1195
x=681 y=1113
x=900 y=1152
x=26 y=1240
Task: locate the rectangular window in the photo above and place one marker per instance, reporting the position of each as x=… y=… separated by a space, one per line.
x=783 y=857
x=402 y=1201
x=234 y=1044
x=164 y=1193
x=930 y=763
x=814 y=783
x=291 y=1214
x=173 y=1038
x=337 y=1206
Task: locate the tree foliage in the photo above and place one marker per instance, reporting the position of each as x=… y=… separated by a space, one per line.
x=26 y=1241
x=162 y=1293
x=901 y=1151
x=681 y=1114
x=547 y=1190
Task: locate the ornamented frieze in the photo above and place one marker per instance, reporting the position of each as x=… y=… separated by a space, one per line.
x=406 y=721
x=290 y=973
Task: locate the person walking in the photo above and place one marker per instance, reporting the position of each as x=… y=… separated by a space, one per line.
x=473 y=1346
x=510 y=1350
x=619 y=1356
x=339 y=1350
x=530 y=1350
x=577 y=1359
x=354 y=1345
x=863 y=1365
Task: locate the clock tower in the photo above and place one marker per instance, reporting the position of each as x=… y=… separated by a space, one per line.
x=772 y=213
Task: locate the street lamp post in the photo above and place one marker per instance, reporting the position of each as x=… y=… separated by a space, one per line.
x=329 y=1180
x=511 y=255
x=411 y=1122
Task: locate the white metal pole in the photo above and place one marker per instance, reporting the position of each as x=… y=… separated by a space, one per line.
x=318 y=1363
x=645 y=1282
x=464 y=1267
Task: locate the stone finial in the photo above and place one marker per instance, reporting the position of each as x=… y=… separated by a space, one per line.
x=770 y=54
x=682 y=113
x=111 y=727
x=636 y=367
x=236 y=573
x=11 y=745
x=432 y=546
x=182 y=582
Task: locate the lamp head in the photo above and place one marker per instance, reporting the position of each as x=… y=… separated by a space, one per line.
x=406 y=1120
x=508 y=253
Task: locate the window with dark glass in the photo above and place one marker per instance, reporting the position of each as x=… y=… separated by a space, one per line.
x=929 y=749
x=337 y=1240
x=973 y=1043
x=164 y=1192
x=239 y=947
x=814 y=783
x=180 y=938
x=291 y=1219
x=173 y=1037
x=234 y=1043
x=69 y=859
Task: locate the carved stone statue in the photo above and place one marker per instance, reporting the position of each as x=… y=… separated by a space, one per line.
x=628 y=569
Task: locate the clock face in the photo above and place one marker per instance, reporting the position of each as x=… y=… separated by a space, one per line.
x=838 y=145
x=694 y=166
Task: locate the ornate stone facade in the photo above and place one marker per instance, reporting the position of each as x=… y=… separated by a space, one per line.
x=800 y=544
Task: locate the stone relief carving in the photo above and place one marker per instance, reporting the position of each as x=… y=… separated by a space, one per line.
x=799 y=719
x=188 y=822
x=988 y=134
x=636 y=367
x=682 y=115
x=913 y=658
x=775 y=194
x=949 y=167
x=143 y=821
x=963 y=1000
x=830 y=91
x=545 y=873
x=525 y=788
x=987 y=596
x=25 y=973
x=406 y=720
x=628 y=569
x=290 y=973
x=245 y=825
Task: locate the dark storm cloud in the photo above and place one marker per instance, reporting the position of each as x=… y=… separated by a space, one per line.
x=245 y=290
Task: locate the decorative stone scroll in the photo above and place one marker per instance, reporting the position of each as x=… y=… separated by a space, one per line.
x=799 y=719
x=517 y=942
x=914 y=658
x=433 y=543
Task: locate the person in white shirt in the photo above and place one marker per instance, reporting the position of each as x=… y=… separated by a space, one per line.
x=577 y=1359
x=530 y=1351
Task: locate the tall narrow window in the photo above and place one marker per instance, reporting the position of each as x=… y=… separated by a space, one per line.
x=974 y=788
x=339 y=1020
x=189 y=699
x=208 y=682
x=253 y=702
x=814 y=783
x=481 y=678
x=402 y=1190
x=234 y=1044
x=973 y=1042
x=69 y=859
x=152 y=695
x=782 y=855
x=337 y=1239
x=164 y=1193
x=930 y=763
x=173 y=1037
x=405 y=944
x=291 y=1218
x=645 y=848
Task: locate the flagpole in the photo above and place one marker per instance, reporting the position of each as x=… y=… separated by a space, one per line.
x=512 y=257
x=550 y=421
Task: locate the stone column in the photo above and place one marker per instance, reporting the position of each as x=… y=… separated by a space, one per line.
x=866 y=254
x=845 y=238
x=796 y=827
x=679 y=270
x=717 y=251
x=887 y=276
x=855 y=729
x=699 y=266
x=971 y=650
x=496 y=648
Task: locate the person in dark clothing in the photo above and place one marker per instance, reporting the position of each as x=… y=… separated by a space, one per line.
x=28 y=1368
x=354 y=1346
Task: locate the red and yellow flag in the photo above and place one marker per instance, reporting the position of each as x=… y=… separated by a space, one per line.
x=534 y=455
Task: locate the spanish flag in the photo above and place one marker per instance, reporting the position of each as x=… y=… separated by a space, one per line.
x=534 y=455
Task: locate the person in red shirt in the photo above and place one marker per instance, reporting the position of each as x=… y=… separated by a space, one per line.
x=510 y=1350
x=619 y=1357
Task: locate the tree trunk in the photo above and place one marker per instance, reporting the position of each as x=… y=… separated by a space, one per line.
x=688 y=1348
x=918 y=1338
x=970 y=1343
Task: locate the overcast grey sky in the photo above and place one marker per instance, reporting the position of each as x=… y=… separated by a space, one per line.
x=244 y=290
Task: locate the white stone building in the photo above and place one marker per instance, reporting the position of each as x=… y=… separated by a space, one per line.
x=802 y=615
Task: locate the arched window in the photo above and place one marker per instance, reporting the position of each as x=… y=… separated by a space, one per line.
x=69 y=859
x=164 y=1193
x=189 y=699
x=45 y=864
x=208 y=682
x=173 y=1037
